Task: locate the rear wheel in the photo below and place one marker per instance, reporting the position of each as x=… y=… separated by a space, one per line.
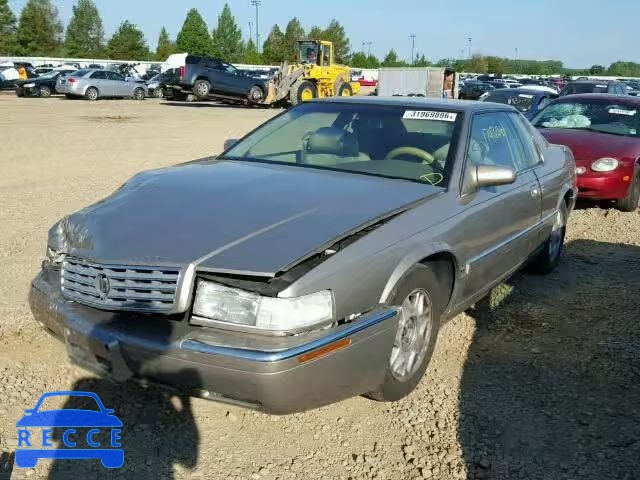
x=138 y=94
x=345 y=90
x=201 y=88
x=44 y=91
x=630 y=202
x=91 y=94
x=421 y=296
x=549 y=256
x=303 y=92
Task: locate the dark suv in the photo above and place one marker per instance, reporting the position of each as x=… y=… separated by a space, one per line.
x=594 y=86
x=207 y=77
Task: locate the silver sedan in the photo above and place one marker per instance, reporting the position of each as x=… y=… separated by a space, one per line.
x=315 y=259
x=95 y=84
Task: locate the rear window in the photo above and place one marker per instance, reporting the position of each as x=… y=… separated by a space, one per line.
x=576 y=88
x=522 y=101
x=80 y=73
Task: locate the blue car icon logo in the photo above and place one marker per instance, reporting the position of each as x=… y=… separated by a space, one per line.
x=73 y=422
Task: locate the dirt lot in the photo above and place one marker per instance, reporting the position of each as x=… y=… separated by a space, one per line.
x=539 y=381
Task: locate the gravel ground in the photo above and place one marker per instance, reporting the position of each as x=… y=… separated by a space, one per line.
x=541 y=380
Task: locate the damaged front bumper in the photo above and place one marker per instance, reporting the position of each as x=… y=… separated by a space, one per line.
x=277 y=375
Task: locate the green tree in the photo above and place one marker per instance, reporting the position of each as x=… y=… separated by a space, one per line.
x=274 y=49
x=335 y=33
x=227 y=41
x=292 y=34
x=359 y=60
x=251 y=55
x=7 y=29
x=194 y=37
x=39 y=29
x=316 y=33
x=128 y=43
x=85 y=35
x=392 y=60
x=165 y=46
x=496 y=65
x=422 y=61
x=477 y=64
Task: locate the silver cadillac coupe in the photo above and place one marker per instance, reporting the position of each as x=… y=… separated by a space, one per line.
x=315 y=259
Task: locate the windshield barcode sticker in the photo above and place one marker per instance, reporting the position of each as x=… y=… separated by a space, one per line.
x=430 y=115
x=619 y=111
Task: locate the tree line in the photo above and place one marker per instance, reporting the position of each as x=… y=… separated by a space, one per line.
x=39 y=32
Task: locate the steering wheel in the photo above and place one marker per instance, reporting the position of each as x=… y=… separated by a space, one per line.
x=425 y=156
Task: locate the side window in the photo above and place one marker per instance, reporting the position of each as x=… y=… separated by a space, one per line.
x=326 y=55
x=99 y=75
x=115 y=76
x=531 y=155
x=490 y=142
x=544 y=101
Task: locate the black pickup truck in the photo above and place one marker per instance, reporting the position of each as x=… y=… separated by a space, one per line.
x=209 y=77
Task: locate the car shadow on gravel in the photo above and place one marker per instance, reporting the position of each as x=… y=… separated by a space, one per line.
x=212 y=104
x=159 y=431
x=551 y=385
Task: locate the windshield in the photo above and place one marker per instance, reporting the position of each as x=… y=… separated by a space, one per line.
x=600 y=116
x=410 y=143
x=308 y=52
x=522 y=101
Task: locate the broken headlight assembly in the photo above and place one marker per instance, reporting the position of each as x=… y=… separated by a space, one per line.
x=53 y=257
x=219 y=306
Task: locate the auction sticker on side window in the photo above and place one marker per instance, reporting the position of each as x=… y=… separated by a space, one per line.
x=620 y=111
x=430 y=115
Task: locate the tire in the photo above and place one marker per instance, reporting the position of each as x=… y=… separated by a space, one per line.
x=201 y=89
x=302 y=91
x=549 y=256
x=44 y=91
x=630 y=202
x=179 y=96
x=19 y=94
x=138 y=94
x=345 y=90
x=419 y=280
x=159 y=93
x=255 y=94
x=91 y=94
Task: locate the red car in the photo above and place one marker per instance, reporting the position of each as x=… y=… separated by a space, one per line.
x=603 y=131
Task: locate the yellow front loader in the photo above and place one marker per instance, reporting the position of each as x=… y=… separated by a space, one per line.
x=315 y=76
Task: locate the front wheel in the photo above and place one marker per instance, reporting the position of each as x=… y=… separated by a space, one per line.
x=303 y=92
x=138 y=94
x=255 y=94
x=630 y=202
x=421 y=297
x=549 y=256
x=45 y=91
x=345 y=90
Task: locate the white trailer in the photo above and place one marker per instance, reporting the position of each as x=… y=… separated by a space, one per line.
x=415 y=82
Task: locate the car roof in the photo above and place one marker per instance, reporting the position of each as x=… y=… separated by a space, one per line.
x=521 y=90
x=628 y=99
x=465 y=106
x=591 y=81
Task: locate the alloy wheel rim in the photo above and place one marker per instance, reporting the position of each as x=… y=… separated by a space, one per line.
x=346 y=93
x=307 y=94
x=202 y=89
x=555 y=241
x=414 y=333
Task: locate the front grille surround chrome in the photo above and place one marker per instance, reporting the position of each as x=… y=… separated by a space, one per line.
x=115 y=287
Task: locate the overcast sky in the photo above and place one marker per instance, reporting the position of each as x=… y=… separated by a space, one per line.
x=578 y=32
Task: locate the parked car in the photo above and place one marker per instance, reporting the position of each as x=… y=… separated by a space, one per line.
x=603 y=131
x=93 y=84
x=498 y=85
x=594 y=86
x=528 y=102
x=207 y=77
x=42 y=86
x=247 y=282
x=473 y=90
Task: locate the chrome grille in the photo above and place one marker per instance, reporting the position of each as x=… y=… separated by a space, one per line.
x=120 y=287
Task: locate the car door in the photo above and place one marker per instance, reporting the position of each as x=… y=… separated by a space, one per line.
x=99 y=80
x=501 y=222
x=120 y=86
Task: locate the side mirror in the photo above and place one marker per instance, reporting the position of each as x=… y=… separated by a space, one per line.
x=230 y=142
x=492 y=175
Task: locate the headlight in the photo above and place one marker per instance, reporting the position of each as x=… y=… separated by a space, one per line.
x=604 y=165
x=217 y=303
x=29 y=85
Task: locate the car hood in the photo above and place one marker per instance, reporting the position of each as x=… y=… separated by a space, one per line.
x=588 y=146
x=228 y=216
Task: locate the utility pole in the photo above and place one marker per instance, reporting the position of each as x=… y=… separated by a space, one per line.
x=256 y=3
x=470 y=39
x=413 y=47
x=251 y=30
x=363 y=45
x=516 y=53
x=368 y=44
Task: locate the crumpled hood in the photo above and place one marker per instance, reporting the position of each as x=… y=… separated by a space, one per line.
x=588 y=145
x=226 y=216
